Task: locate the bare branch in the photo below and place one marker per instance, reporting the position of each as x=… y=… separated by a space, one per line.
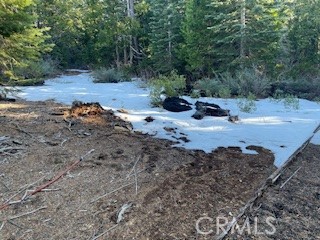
x=290 y=178
x=122 y=210
x=27 y=213
x=101 y=234
x=113 y=191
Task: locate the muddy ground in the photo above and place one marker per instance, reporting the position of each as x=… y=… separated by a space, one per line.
x=132 y=186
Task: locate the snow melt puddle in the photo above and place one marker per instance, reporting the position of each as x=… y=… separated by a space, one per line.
x=271 y=126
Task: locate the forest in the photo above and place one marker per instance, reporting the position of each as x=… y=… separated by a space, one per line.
x=262 y=43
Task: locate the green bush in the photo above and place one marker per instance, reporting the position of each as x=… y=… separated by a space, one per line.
x=302 y=88
x=35 y=71
x=224 y=92
x=250 y=80
x=111 y=75
x=4 y=91
x=195 y=93
x=172 y=85
x=230 y=82
x=210 y=87
x=291 y=102
x=247 y=104
x=241 y=83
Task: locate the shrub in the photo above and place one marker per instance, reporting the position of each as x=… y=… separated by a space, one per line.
x=252 y=81
x=155 y=96
x=224 y=92
x=230 y=82
x=111 y=75
x=241 y=83
x=291 y=102
x=172 y=85
x=247 y=104
x=195 y=93
x=4 y=91
x=208 y=87
x=308 y=89
x=36 y=71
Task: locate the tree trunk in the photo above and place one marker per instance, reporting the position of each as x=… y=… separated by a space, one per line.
x=132 y=40
x=117 y=57
x=242 y=29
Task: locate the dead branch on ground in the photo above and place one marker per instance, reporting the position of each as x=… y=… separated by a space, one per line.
x=101 y=234
x=25 y=214
x=295 y=172
x=113 y=191
x=30 y=193
x=10 y=219
x=23 y=188
x=122 y=210
x=270 y=180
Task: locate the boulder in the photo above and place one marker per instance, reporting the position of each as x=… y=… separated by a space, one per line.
x=176 y=104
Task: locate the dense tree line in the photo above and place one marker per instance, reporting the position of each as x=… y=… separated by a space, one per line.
x=199 y=38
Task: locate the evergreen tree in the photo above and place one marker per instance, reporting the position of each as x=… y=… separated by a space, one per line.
x=197 y=47
x=165 y=36
x=66 y=22
x=21 y=42
x=245 y=32
x=304 y=36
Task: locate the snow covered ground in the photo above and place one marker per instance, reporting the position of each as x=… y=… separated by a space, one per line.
x=272 y=125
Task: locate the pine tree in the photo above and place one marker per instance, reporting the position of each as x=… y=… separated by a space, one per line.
x=197 y=47
x=304 y=36
x=66 y=20
x=21 y=42
x=165 y=33
x=245 y=32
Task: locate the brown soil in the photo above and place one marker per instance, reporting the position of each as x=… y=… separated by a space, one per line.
x=153 y=191
x=292 y=204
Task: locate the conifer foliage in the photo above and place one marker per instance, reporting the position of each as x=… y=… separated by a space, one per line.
x=21 y=41
x=198 y=38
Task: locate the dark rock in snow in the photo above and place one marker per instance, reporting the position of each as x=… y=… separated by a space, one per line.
x=209 y=109
x=175 y=104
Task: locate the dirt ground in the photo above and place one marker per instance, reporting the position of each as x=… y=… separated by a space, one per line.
x=132 y=186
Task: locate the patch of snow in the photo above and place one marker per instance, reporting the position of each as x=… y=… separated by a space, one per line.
x=316 y=138
x=271 y=126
